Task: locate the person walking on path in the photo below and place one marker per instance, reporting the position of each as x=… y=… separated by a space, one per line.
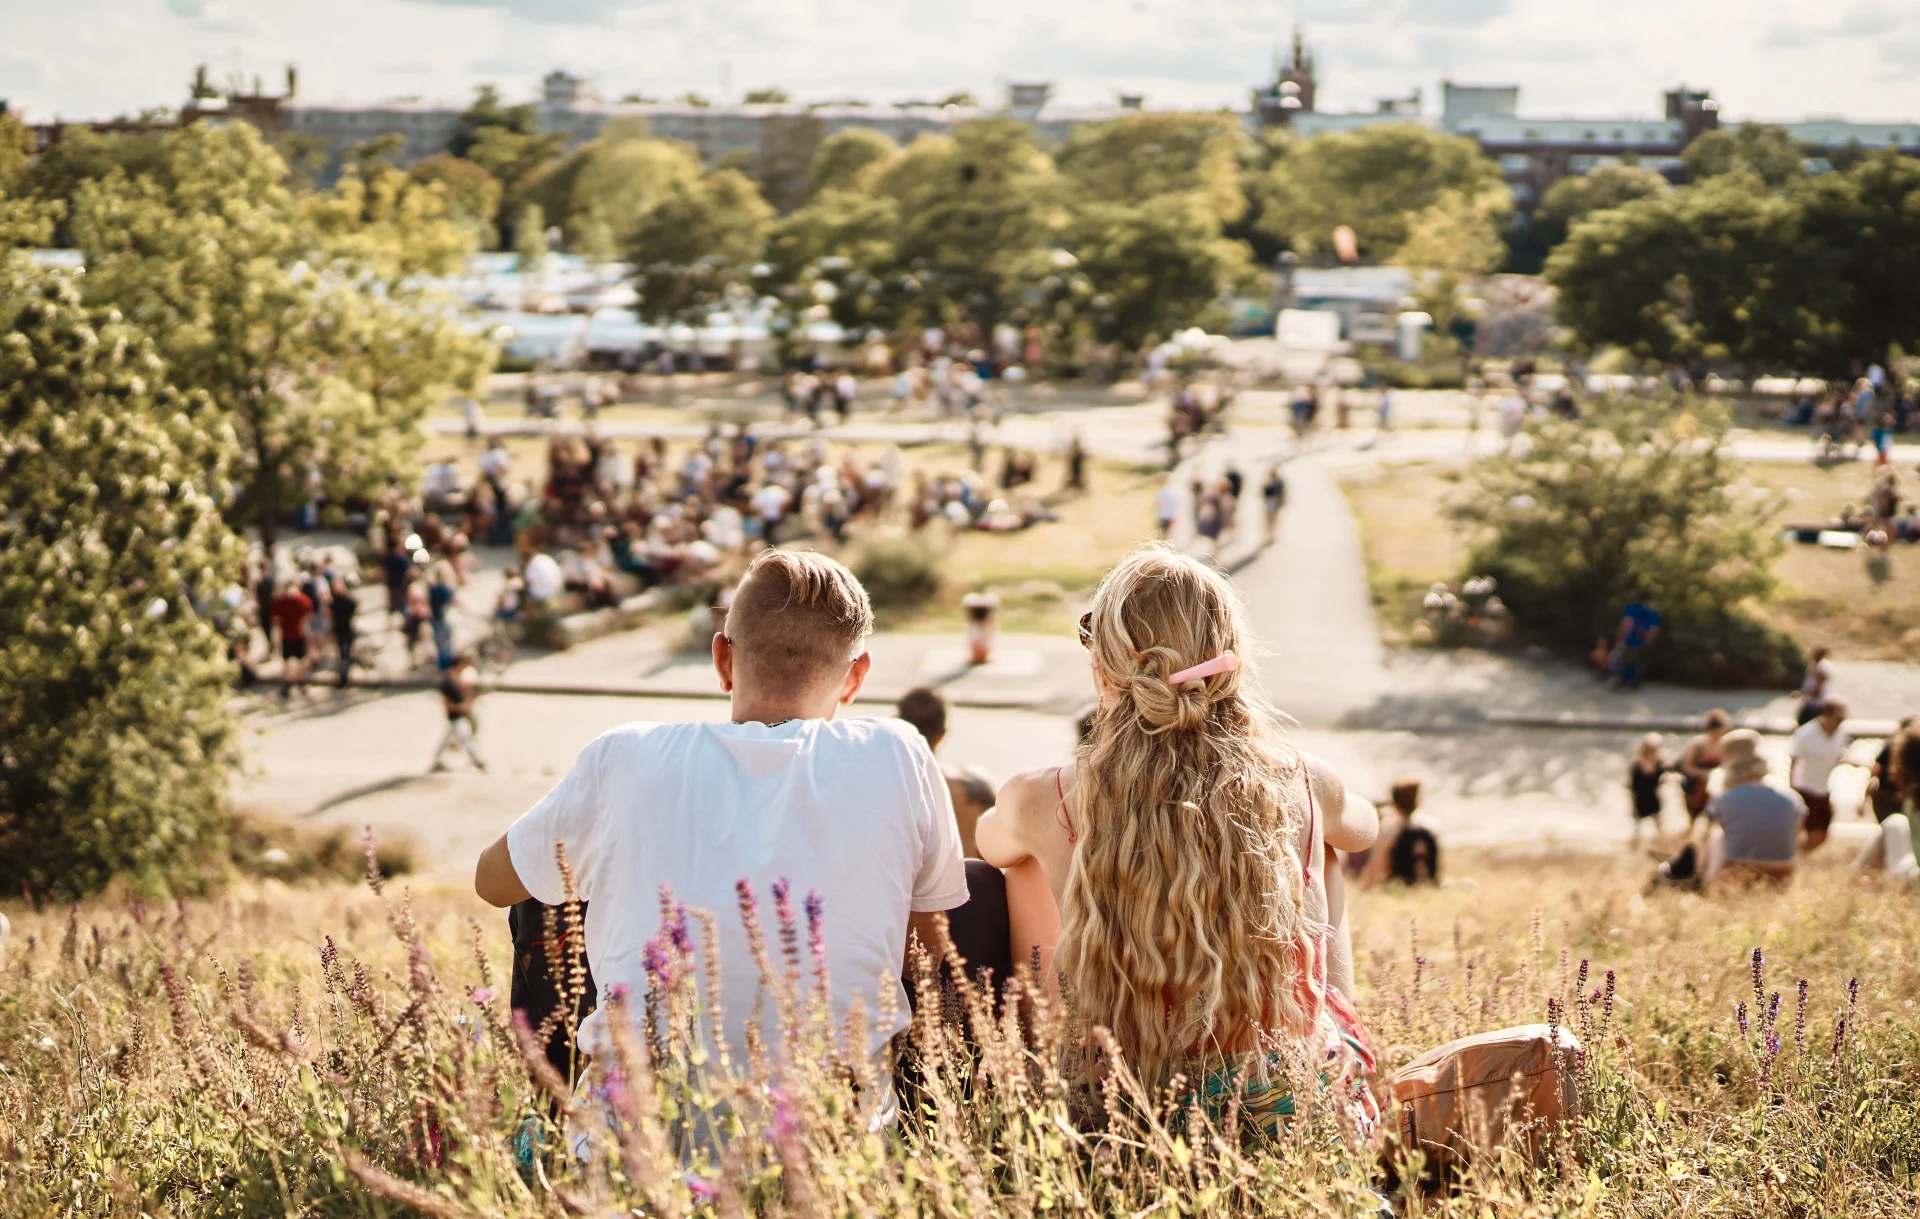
x=345 y=604
x=292 y=611
x=1273 y=497
x=459 y=689
x=1818 y=746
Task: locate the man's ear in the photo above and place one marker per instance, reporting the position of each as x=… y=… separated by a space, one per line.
x=723 y=661
x=856 y=677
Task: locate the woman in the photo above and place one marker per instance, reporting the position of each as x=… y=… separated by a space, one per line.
x=1700 y=759
x=1179 y=869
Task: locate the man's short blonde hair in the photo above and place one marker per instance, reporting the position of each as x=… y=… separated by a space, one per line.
x=798 y=618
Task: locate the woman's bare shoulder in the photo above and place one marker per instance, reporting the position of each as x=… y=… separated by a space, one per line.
x=1032 y=791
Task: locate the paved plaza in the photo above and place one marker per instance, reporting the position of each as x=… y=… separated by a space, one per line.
x=1514 y=753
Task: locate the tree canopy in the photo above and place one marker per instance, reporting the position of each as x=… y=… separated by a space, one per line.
x=114 y=732
x=1375 y=180
x=1807 y=277
x=260 y=300
x=1765 y=150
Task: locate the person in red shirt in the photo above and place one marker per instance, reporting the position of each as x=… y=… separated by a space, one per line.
x=292 y=611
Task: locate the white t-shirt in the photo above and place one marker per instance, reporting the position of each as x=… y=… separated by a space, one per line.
x=1819 y=677
x=855 y=811
x=544 y=580
x=1817 y=754
x=770 y=502
x=1166 y=503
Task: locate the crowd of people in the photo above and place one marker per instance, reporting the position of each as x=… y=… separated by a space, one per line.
x=1751 y=829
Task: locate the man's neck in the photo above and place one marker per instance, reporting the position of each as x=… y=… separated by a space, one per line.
x=749 y=710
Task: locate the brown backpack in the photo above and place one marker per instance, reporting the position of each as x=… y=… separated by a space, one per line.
x=1465 y=1099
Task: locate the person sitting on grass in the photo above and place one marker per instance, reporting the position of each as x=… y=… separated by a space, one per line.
x=851 y=812
x=1406 y=850
x=1756 y=827
x=1188 y=850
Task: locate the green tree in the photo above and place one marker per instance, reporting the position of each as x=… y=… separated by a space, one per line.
x=25 y=220
x=472 y=194
x=1574 y=198
x=1144 y=157
x=84 y=155
x=1634 y=502
x=1867 y=223
x=619 y=179
x=771 y=96
x=1719 y=271
x=488 y=113
x=788 y=144
x=843 y=158
x=1449 y=246
x=1375 y=180
x=698 y=242
x=1766 y=150
x=296 y=318
x=979 y=211
x=1154 y=268
x=114 y=732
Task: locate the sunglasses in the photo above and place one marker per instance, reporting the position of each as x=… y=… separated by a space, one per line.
x=1086 y=630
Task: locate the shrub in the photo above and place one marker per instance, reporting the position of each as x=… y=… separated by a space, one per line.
x=114 y=733
x=263 y=845
x=1635 y=501
x=899 y=572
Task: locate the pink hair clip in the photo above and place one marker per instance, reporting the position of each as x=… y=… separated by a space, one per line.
x=1225 y=662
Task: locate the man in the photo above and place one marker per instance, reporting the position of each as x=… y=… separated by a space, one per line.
x=1818 y=746
x=982 y=934
x=972 y=793
x=1756 y=828
x=292 y=610
x=853 y=813
x=345 y=604
x=1639 y=627
x=459 y=687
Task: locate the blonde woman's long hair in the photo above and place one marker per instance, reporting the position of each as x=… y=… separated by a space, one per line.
x=1184 y=927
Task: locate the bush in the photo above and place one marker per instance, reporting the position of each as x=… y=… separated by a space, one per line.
x=899 y=572
x=267 y=846
x=1635 y=501
x=114 y=732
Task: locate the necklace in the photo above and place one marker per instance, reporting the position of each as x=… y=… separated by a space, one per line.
x=774 y=724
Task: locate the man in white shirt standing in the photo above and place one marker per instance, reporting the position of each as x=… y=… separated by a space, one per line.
x=1818 y=746
x=852 y=813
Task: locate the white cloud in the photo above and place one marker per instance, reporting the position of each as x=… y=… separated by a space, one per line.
x=1775 y=58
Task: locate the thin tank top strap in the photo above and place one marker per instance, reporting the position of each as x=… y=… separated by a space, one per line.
x=1066 y=818
x=1306 y=865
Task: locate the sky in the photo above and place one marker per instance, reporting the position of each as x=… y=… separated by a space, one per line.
x=1762 y=58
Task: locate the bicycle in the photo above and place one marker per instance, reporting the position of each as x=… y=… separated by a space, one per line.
x=496 y=650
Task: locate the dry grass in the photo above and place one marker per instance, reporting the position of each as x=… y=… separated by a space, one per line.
x=1829 y=596
x=1825 y=596
x=333 y=1052
x=1407 y=542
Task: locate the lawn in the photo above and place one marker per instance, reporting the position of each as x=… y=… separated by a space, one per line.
x=296 y=1050
x=1825 y=596
x=1407 y=542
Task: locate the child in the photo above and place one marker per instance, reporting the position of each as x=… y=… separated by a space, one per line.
x=1643 y=780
